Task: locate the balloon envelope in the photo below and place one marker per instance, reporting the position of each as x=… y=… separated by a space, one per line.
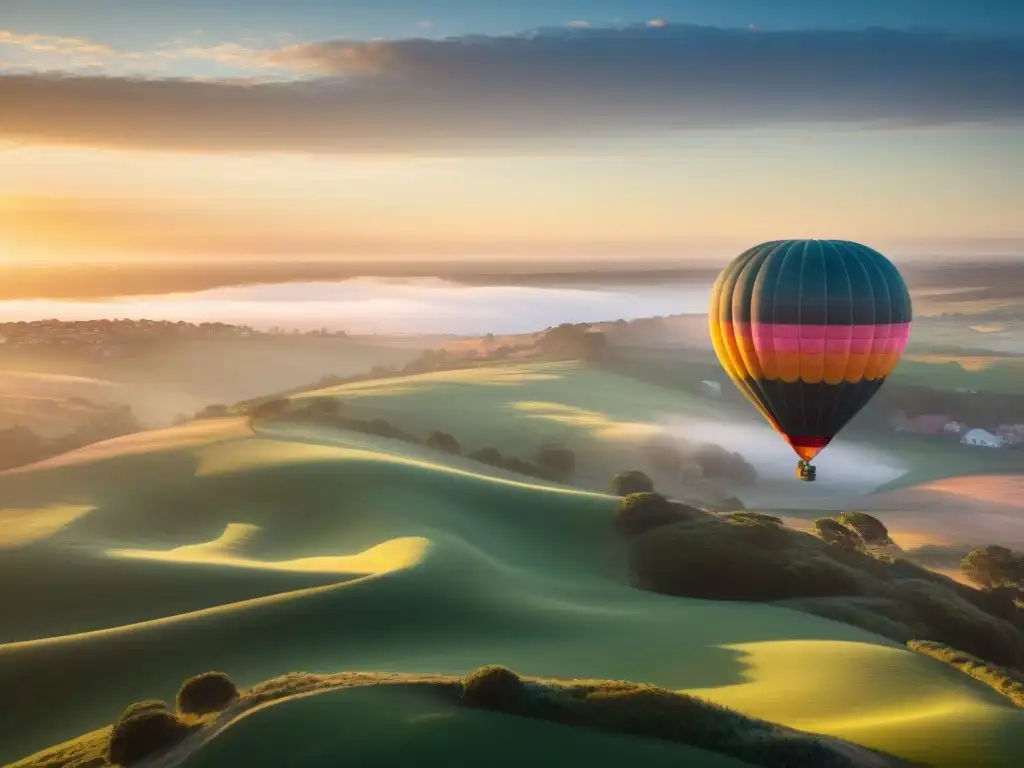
x=809 y=330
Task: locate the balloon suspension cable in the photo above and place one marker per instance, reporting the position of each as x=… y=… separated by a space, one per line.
x=806 y=471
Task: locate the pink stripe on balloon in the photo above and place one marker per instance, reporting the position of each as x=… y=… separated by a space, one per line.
x=789 y=338
x=838 y=346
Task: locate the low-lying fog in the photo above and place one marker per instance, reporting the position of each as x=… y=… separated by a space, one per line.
x=382 y=305
x=844 y=468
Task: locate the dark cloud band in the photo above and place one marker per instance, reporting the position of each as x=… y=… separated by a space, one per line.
x=534 y=91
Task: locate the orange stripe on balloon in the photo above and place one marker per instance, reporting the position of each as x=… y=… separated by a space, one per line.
x=834 y=369
x=788 y=364
x=812 y=367
x=855 y=367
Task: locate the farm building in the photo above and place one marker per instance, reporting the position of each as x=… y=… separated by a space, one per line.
x=1012 y=434
x=983 y=438
x=925 y=424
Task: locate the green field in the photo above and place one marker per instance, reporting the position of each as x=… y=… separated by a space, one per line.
x=928 y=458
x=128 y=566
x=521 y=405
x=996 y=373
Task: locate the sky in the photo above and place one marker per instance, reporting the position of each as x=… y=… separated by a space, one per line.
x=241 y=129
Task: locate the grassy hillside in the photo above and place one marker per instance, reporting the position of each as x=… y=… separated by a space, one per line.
x=521 y=404
x=161 y=379
x=136 y=563
x=404 y=725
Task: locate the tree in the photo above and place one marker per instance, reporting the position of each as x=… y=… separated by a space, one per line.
x=321 y=409
x=568 y=341
x=143 y=733
x=442 y=441
x=494 y=687
x=487 y=455
x=268 y=410
x=641 y=512
x=994 y=566
x=837 y=534
x=870 y=528
x=663 y=456
x=213 y=412
x=631 y=481
x=205 y=693
x=557 y=462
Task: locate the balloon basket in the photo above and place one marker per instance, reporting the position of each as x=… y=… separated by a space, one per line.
x=806 y=471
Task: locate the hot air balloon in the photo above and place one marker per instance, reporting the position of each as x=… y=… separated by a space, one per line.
x=809 y=330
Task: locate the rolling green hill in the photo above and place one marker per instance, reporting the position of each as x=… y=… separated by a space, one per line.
x=128 y=566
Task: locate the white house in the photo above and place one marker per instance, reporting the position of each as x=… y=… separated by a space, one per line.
x=982 y=438
x=954 y=428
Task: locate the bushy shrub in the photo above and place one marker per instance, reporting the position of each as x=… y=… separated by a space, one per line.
x=515 y=464
x=319 y=410
x=494 y=687
x=569 y=341
x=557 y=462
x=142 y=734
x=994 y=566
x=1008 y=682
x=663 y=456
x=631 y=481
x=754 y=518
x=148 y=705
x=719 y=561
x=488 y=455
x=640 y=512
x=442 y=441
x=206 y=693
x=1001 y=602
x=837 y=534
x=268 y=410
x=953 y=620
x=869 y=528
x=749 y=556
x=716 y=462
x=382 y=428
x=212 y=412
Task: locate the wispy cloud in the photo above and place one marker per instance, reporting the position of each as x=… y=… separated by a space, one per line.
x=54 y=44
x=539 y=89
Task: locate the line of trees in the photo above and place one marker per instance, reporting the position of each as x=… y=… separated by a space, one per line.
x=20 y=446
x=551 y=462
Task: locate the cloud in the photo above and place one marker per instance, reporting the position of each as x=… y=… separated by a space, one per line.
x=543 y=89
x=578 y=24
x=54 y=44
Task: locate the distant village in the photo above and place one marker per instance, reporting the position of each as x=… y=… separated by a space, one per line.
x=940 y=425
x=937 y=425
x=108 y=338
